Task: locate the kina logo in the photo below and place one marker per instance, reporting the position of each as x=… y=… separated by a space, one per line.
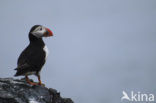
x=137 y=96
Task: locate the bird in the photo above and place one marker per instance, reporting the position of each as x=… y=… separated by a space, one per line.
x=125 y=96
x=33 y=57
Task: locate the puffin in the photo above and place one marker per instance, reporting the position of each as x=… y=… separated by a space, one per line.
x=33 y=57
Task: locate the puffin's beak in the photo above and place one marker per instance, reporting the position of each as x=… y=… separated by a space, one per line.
x=48 y=32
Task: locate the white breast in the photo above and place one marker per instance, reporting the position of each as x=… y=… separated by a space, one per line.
x=46 y=51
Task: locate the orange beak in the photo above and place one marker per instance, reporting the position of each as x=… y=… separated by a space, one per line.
x=48 y=32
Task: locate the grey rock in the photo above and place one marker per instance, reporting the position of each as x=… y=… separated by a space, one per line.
x=18 y=91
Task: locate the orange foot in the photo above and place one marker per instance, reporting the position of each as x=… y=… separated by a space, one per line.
x=32 y=83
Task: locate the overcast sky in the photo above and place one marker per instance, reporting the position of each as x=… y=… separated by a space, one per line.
x=99 y=47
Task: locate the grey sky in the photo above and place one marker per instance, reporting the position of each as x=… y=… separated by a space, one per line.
x=99 y=48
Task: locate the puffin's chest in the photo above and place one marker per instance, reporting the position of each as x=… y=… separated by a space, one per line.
x=45 y=49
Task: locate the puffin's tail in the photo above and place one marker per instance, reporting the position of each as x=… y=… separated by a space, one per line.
x=15 y=68
x=16 y=75
x=21 y=70
x=16 y=72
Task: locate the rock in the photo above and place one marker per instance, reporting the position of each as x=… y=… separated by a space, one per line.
x=18 y=91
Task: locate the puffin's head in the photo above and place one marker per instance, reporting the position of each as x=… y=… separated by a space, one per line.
x=40 y=31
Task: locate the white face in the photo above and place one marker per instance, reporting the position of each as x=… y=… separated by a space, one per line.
x=39 y=31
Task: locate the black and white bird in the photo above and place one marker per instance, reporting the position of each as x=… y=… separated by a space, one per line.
x=32 y=59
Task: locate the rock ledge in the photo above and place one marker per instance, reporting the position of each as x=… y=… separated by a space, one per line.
x=18 y=91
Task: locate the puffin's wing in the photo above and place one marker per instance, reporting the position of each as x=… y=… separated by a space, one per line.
x=22 y=66
x=31 y=60
x=23 y=58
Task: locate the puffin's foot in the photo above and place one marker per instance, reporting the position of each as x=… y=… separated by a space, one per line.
x=34 y=83
x=40 y=83
x=29 y=82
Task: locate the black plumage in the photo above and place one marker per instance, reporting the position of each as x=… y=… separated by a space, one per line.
x=33 y=57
